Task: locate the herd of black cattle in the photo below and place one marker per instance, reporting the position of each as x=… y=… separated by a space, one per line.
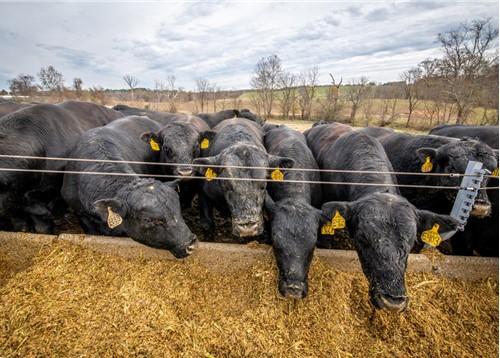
x=220 y=150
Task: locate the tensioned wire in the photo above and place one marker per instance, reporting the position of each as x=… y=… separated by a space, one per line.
x=235 y=166
x=167 y=176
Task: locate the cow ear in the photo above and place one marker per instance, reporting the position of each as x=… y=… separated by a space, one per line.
x=280 y=162
x=205 y=163
x=269 y=204
x=427 y=220
x=427 y=157
x=111 y=211
x=205 y=140
x=147 y=136
x=426 y=152
x=330 y=209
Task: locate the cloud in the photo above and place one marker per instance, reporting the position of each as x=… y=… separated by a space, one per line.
x=222 y=41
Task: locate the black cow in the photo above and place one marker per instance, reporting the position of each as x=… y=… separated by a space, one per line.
x=180 y=141
x=468 y=241
x=437 y=154
x=383 y=225
x=294 y=220
x=214 y=119
x=162 y=117
x=246 y=113
x=147 y=210
x=486 y=134
x=236 y=142
x=9 y=107
x=43 y=130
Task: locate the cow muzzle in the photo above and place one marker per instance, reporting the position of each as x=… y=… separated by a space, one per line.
x=296 y=290
x=388 y=302
x=248 y=228
x=185 y=171
x=481 y=209
x=181 y=252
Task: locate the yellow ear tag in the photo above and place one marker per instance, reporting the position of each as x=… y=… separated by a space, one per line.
x=431 y=236
x=427 y=166
x=337 y=222
x=495 y=173
x=154 y=145
x=114 y=219
x=210 y=174
x=277 y=175
x=204 y=143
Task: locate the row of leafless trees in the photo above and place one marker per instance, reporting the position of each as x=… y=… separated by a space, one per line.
x=298 y=95
x=466 y=77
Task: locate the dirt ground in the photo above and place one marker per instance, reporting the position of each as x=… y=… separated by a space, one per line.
x=63 y=300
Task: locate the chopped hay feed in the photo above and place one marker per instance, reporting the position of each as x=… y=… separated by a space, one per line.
x=66 y=300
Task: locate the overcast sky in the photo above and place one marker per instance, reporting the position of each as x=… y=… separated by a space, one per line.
x=222 y=41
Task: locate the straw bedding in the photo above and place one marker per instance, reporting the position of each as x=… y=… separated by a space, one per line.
x=65 y=300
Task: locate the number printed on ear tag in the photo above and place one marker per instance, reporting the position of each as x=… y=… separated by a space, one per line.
x=154 y=145
x=205 y=143
x=427 y=166
x=495 y=173
x=114 y=219
x=277 y=175
x=210 y=174
x=337 y=222
x=431 y=237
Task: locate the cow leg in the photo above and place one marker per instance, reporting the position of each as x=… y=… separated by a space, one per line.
x=206 y=213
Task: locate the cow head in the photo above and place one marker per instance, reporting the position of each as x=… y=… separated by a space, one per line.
x=384 y=228
x=176 y=143
x=453 y=158
x=149 y=212
x=294 y=228
x=245 y=198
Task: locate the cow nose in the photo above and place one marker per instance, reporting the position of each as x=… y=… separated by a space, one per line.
x=247 y=229
x=295 y=290
x=390 y=303
x=481 y=209
x=185 y=171
x=186 y=250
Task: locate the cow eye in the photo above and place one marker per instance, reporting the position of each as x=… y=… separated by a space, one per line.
x=167 y=151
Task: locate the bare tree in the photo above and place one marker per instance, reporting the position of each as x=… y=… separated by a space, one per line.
x=356 y=94
x=202 y=88
x=51 y=79
x=77 y=87
x=172 y=93
x=23 y=85
x=132 y=83
x=332 y=105
x=266 y=81
x=97 y=95
x=466 y=58
x=307 y=92
x=214 y=90
x=158 y=92
x=411 y=79
x=288 y=93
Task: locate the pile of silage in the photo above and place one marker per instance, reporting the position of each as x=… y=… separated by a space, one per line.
x=71 y=301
